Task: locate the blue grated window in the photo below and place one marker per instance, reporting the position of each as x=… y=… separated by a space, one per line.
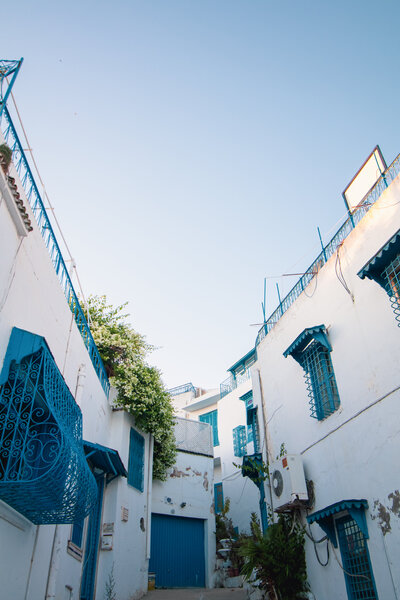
x=248 y=400
x=239 y=440
x=320 y=381
x=218 y=498
x=311 y=350
x=358 y=574
x=391 y=276
x=212 y=419
x=43 y=470
x=136 y=460
x=77 y=533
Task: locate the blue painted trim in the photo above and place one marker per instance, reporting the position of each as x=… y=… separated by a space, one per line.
x=376 y=265
x=92 y=545
x=324 y=517
x=13 y=69
x=106 y=459
x=136 y=460
x=218 y=498
x=212 y=419
x=251 y=353
x=318 y=333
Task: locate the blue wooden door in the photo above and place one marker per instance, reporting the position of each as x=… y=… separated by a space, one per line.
x=177 y=551
x=92 y=546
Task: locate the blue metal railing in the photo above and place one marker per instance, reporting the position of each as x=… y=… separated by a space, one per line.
x=232 y=382
x=182 y=389
x=385 y=179
x=39 y=211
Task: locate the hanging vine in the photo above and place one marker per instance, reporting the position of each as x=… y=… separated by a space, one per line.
x=141 y=391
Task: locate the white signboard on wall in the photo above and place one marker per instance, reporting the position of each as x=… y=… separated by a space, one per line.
x=364 y=179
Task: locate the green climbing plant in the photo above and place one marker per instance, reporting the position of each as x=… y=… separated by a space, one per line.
x=141 y=391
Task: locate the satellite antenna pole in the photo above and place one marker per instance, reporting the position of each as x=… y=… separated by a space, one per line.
x=322 y=244
x=265 y=293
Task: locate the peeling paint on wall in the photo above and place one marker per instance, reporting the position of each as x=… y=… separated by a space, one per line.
x=177 y=473
x=383 y=513
x=205 y=481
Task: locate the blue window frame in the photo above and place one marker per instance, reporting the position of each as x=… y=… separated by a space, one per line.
x=252 y=424
x=248 y=400
x=218 y=498
x=239 y=440
x=212 y=419
x=311 y=350
x=358 y=574
x=384 y=269
x=136 y=460
x=77 y=533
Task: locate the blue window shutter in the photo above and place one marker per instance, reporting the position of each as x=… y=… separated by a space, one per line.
x=218 y=498
x=239 y=440
x=136 y=460
x=77 y=533
x=212 y=419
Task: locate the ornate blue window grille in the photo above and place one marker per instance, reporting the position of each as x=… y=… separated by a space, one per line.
x=358 y=574
x=212 y=419
x=311 y=350
x=43 y=471
x=384 y=268
x=239 y=440
x=252 y=424
x=218 y=498
x=136 y=460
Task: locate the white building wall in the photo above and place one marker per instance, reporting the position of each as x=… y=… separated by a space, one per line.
x=190 y=481
x=31 y=298
x=350 y=454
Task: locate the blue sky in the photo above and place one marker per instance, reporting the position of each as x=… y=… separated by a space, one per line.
x=191 y=148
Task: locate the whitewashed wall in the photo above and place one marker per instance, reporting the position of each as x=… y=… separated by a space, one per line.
x=350 y=454
x=31 y=298
x=190 y=481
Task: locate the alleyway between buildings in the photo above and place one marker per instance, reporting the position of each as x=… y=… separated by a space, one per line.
x=197 y=594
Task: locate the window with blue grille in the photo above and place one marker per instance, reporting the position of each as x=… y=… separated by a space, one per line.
x=358 y=574
x=212 y=419
x=218 y=498
x=384 y=269
x=252 y=424
x=77 y=533
x=248 y=400
x=312 y=350
x=136 y=460
x=239 y=440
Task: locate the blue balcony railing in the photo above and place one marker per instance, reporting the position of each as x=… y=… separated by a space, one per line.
x=45 y=228
x=232 y=382
x=384 y=180
x=182 y=389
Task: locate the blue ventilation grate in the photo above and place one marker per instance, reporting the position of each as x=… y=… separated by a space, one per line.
x=239 y=440
x=356 y=562
x=320 y=380
x=43 y=470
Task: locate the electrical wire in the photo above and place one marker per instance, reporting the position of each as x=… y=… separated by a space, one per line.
x=339 y=272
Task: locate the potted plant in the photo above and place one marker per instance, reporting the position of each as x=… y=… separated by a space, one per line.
x=5 y=157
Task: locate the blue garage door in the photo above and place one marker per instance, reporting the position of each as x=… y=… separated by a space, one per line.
x=177 y=551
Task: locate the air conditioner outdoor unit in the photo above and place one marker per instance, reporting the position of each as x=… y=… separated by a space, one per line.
x=288 y=482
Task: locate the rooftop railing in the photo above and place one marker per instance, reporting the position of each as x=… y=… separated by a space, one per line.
x=232 y=382
x=45 y=228
x=182 y=389
x=383 y=182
